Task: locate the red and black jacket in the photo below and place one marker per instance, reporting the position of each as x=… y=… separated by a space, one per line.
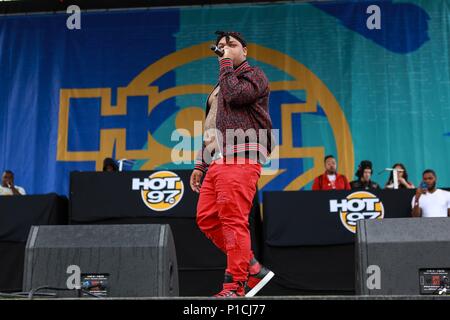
x=243 y=103
x=322 y=183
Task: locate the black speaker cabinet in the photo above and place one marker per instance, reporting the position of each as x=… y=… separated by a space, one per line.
x=402 y=256
x=105 y=260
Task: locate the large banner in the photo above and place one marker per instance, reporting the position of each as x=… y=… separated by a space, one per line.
x=360 y=80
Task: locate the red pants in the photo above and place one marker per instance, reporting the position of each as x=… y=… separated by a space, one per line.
x=226 y=198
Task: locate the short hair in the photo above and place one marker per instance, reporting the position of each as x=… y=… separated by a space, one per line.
x=429 y=171
x=227 y=34
x=9 y=171
x=328 y=157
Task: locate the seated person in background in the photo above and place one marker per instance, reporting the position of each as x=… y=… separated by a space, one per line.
x=109 y=165
x=364 y=175
x=8 y=188
x=403 y=182
x=330 y=180
x=430 y=202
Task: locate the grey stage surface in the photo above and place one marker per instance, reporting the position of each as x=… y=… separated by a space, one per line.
x=279 y=298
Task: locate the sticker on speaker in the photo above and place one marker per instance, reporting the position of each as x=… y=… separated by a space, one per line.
x=94 y=285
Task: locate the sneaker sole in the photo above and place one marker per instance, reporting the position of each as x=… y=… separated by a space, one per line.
x=260 y=285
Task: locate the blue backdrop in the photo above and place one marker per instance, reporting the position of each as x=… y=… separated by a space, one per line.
x=127 y=82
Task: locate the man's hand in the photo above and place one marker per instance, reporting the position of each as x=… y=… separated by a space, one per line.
x=419 y=192
x=13 y=189
x=226 y=53
x=416 y=211
x=196 y=178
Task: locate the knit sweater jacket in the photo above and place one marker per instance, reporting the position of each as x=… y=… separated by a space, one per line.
x=243 y=104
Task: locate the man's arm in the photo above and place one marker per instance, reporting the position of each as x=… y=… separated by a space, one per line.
x=199 y=171
x=448 y=203
x=200 y=163
x=315 y=185
x=347 y=184
x=15 y=191
x=416 y=211
x=243 y=91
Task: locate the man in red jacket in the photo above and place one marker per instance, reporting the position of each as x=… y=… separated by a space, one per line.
x=331 y=180
x=232 y=163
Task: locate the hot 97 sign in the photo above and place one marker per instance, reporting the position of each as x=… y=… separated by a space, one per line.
x=161 y=191
x=356 y=206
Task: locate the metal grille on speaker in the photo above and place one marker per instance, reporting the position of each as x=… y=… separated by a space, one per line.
x=133 y=260
x=401 y=248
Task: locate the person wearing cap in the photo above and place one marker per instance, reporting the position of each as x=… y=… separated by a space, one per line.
x=364 y=175
x=230 y=168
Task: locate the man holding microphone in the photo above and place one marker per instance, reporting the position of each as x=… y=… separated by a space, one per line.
x=231 y=165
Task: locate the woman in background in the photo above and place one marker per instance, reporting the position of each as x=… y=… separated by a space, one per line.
x=403 y=182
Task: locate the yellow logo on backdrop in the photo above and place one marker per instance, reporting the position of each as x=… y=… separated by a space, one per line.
x=156 y=154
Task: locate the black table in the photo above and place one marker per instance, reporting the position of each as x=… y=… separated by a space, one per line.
x=107 y=195
x=17 y=215
x=299 y=218
x=309 y=247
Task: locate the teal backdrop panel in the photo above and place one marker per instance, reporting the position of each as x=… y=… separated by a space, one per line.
x=131 y=83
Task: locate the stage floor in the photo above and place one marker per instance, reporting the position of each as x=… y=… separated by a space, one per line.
x=279 y=298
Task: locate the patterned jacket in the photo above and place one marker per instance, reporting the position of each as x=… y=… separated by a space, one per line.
x=322 y=183
x=243 y=103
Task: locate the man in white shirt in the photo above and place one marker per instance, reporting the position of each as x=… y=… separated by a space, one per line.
x=430 y=202
x=8 y=188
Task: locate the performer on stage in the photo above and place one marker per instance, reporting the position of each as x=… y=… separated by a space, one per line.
x=237 y=140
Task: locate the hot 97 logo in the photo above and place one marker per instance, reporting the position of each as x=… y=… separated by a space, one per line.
x=357 y=206
x=161 y=191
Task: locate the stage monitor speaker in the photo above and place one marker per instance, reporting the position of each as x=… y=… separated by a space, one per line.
x=402 y=256
x=105 y=260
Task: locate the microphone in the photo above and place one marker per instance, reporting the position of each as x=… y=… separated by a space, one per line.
x=217 y=50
